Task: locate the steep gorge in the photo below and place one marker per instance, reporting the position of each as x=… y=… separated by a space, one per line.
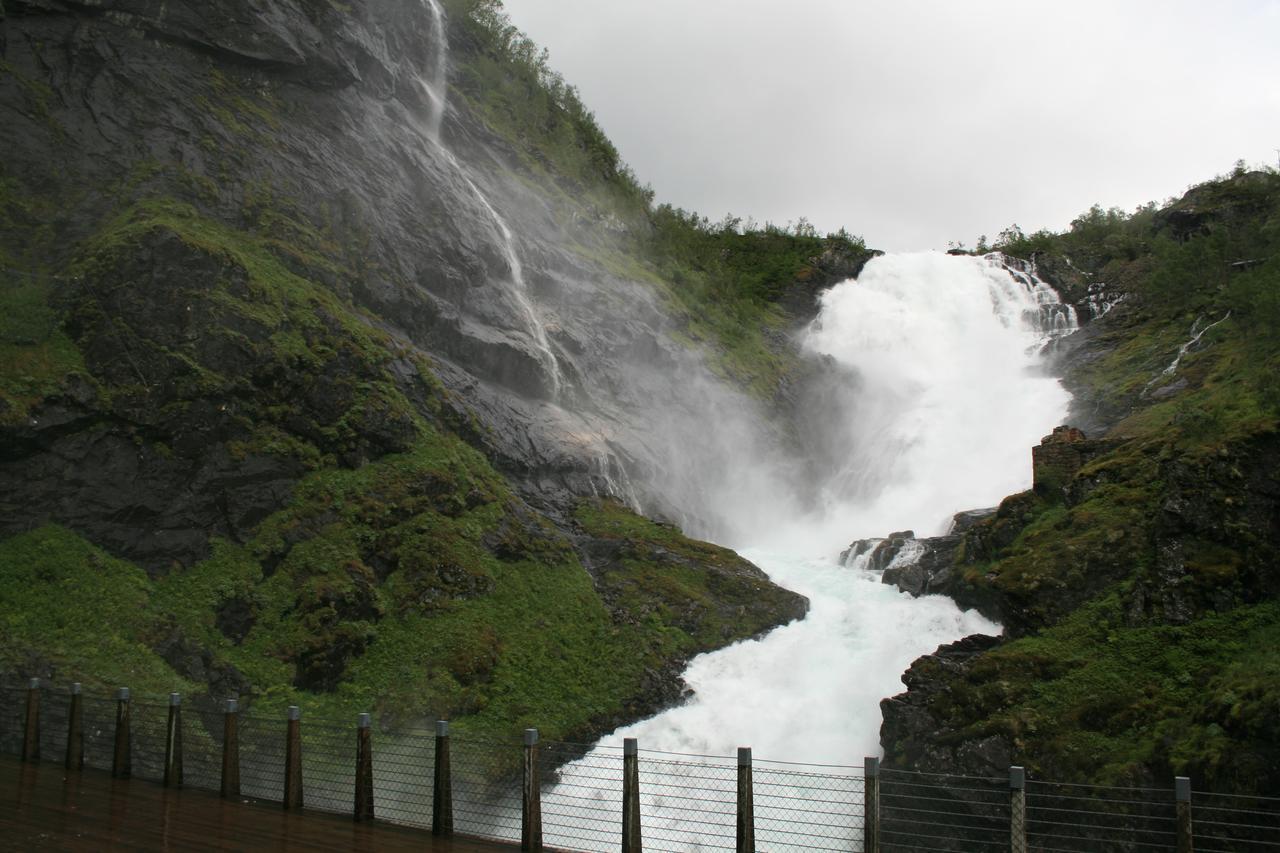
x=273 y=400
x=343 y=362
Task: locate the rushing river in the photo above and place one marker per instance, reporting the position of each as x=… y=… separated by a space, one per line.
x=942 y=397
x=944 y=354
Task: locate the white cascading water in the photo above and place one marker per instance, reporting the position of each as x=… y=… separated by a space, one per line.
x=946 y=397
x=951 y=397
x=436 y=88
x=952 y=392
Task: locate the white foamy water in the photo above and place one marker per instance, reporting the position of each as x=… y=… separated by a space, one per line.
x=809 y=691
x=948 y=399
x=947 y=396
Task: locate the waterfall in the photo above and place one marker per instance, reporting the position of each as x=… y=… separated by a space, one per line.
x=946 y=396
x=435 y=85
x=951 y=391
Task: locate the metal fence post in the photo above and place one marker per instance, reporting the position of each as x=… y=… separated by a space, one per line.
x=531 y=799
x=122 y=756
x=871 y=805
x=31 y=726
x=746 y=803
x=75 y=730
x=364 y=770
x=230 y=750
x=1182 y=793
x=1017 y=810
x=293 y=759
x=631 y=835
x=173 y=743
x=442 y=785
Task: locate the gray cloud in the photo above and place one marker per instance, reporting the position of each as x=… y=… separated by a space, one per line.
x=915 y=123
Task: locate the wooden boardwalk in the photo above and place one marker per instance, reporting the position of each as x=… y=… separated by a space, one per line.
x=45 y=808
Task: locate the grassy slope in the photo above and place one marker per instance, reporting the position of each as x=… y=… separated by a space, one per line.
x=1147 y=584
x=415 y=585
x=412 y=583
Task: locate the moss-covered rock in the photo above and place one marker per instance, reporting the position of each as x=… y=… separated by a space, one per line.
x=1136 y=582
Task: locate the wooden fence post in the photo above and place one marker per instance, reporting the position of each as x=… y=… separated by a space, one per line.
x=1182 y=793
x=871 y=805
x=531 y=796
x=293 y=759
x=122 y=755
x=230 y=750
x=631 y=834
x=31 y=726
x=75 y=730
x=746 y=803
x=173 y=743
x=442 y=785
x=1017 y=810
x=363 y=808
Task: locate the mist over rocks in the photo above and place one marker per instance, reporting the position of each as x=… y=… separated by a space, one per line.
x=351 y=365
x=274 y=311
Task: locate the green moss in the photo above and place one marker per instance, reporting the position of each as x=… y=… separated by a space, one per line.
x=692 y=596
x=83 y=612
x=1097 y=698
x=36 y=354
x=1143 y=587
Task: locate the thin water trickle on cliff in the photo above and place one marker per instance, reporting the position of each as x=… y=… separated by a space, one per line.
x=435 y=86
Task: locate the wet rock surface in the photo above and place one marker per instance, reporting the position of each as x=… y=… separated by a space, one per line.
x=268 y=266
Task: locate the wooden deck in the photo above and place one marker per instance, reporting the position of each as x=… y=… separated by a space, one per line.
x=44 y=808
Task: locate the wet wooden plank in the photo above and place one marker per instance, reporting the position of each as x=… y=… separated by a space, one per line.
x=46 y=807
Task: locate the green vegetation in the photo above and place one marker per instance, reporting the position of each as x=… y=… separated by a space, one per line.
x=692 y=595
x=722 y=281
x=1142 y=589
x=71 y=605
x=37 y=353
x=416 y=587
x=402 y=577
x=1096 y=697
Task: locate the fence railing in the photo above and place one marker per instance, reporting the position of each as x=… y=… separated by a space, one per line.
x=579 y=797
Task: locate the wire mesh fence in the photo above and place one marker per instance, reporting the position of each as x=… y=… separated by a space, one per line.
x=261 y=741
x=688 y=804
x=1235 y=823
x=328 y=766
x=99 y=731
x=814 y=807
x=404 y=776
x=11 y=718
x=683 y=802
x=941 y=812
x=486 y=787
x=202 y=726
x=1062 y=818
x=582 y=805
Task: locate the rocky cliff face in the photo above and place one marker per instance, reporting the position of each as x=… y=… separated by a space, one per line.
x=245 y=254
x=1135 y=580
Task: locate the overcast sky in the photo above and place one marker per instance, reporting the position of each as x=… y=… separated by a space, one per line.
x=918 y=123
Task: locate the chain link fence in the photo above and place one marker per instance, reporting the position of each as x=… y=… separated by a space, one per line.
x=808 y=806
x=683 y=802
x=944 y=812
x=1226 y=822
x=1062 y=818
